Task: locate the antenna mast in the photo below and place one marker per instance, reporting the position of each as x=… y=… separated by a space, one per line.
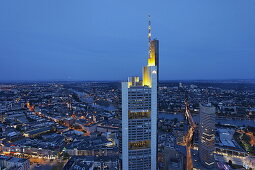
x=149 y=29
x=149 y=35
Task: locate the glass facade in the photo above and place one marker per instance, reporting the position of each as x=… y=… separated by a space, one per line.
x=207 y=135
x=139 y=127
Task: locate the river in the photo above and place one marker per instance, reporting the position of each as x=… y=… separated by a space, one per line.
x=223 y=121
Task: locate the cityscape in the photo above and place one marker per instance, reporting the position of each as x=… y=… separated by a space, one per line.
x=141 y=122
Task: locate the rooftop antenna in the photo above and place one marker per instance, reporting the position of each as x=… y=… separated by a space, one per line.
x=149 y=33
x=149 y=28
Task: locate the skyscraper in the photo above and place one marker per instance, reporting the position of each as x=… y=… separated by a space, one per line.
x=139 y=115
x=207 y=135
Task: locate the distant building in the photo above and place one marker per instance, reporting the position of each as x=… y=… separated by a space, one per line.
x=180 y=85
x=68 y=121
x=2 y=117
x=92 y=162
x=7 y=162
x=226 y=145
x=36 y=132
x=139 y=116
x=207 y=135
x=173 y=159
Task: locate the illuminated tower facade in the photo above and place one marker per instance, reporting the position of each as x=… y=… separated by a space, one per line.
x=207 y=135
x=139 y=115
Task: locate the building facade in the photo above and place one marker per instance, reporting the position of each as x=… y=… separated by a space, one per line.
x=7 y=162
x=139 y=116
x=207 y=135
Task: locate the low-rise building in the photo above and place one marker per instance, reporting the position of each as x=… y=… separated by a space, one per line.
x=92 y=162
x=14 y=163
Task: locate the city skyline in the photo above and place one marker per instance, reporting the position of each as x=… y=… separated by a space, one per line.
x=71 y=96
x=65 y=41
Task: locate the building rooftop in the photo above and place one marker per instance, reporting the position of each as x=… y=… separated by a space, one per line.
x=226 y=136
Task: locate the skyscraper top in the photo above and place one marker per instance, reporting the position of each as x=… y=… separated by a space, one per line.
x=153 y=60
x=153 y=48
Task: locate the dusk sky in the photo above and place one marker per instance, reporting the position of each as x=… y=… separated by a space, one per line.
x=107 y=39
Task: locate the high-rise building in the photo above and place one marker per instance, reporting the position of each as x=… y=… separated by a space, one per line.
x=207 y=135
x=139 y=115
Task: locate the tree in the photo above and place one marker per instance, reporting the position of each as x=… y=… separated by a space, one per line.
x=66 y=156
x=230 y=162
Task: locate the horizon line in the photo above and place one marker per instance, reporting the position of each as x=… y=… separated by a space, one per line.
x=164 y=80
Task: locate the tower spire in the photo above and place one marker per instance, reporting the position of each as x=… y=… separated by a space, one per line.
x=149 y=35
x=149 y=28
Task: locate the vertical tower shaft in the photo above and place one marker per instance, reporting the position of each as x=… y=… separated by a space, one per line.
x=139 y=115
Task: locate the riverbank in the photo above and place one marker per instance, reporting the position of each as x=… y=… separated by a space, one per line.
x=223 y=121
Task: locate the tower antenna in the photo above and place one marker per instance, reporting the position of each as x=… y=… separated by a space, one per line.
x=149 y=35
x=149 y=29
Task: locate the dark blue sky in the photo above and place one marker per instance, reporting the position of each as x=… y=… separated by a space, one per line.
x=107 y=39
